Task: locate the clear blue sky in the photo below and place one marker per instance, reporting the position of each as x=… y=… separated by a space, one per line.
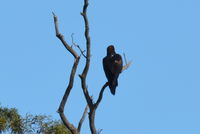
x=158 y=94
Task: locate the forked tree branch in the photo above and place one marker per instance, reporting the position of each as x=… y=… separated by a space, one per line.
x=61 y=37
x=76 y=45
x=83 y=76
x=90 y=104
x=70 y=126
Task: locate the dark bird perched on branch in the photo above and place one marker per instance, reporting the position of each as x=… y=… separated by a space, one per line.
x=112 y=65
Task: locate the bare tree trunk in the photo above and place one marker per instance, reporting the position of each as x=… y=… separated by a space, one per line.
x=92 y=121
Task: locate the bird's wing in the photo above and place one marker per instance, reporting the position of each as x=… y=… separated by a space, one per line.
x=117 y=64
x=106 y=67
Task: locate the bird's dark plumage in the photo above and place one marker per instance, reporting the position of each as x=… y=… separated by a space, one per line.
x=112 y=65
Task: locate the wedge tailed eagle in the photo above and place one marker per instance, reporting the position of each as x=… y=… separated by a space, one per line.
x=112 y=65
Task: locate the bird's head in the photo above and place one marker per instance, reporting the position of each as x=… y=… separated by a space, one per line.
x=110 y=50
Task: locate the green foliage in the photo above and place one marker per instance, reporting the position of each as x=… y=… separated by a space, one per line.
x=43 y=124
x=57 y=128
x=12 y=122
x=2 y=124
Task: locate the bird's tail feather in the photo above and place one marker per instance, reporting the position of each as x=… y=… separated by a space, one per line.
x=113 y=86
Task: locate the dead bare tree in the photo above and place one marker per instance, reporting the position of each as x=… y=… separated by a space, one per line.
x=90 y=102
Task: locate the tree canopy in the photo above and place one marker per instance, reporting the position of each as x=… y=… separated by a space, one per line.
x=12 y=122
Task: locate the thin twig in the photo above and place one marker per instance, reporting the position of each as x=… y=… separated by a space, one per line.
x=125 y=58
x=76 y=45
x=82 y=118
x=100 y=131
x=61 y=37
x=127 y=65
